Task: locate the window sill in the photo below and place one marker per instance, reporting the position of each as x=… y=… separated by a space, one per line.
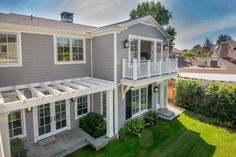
x=78 y=117
x=19 y=136
x=69 y=63
x=2 y=65
x=139 y=113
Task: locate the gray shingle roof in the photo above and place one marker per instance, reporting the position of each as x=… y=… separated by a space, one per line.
x=25 y=20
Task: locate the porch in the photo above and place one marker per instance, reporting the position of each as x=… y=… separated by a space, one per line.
x=65 y=143
x=48 y=112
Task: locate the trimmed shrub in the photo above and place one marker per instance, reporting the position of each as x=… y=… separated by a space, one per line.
x=17 y=148
x=124 y=134
x=135 y=126
x=150 y=118
x=216 y=100
x=93 y=124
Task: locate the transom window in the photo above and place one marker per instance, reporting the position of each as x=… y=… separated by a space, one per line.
x=70 y=50
x=103 y=103
x=16 y=124
x=82 y=106
x=9 y=49
x=139 y=99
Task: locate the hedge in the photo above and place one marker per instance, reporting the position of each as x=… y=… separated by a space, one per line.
x=215 y=100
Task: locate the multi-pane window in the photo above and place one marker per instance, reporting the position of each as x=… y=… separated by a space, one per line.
x=158 y=50
x=15 y=123
x=9 y=54
x=135 y=101
x=70 y=50
x=139 y=100
x=103 y=103
x=82 y=105
x=134 y=49
x=60 y=113
x=44 y=119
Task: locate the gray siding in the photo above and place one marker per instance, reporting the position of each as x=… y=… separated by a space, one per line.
x=122 y=53
x=103 y=57
x=38 y=63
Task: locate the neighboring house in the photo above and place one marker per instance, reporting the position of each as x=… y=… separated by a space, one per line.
x=225 y=48
x=212 y=60
x=54 y=72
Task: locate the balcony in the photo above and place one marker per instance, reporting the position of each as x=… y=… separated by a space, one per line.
x=135 y=69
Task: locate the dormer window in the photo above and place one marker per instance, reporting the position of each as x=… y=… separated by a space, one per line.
x=10 y=49
x=69 y=50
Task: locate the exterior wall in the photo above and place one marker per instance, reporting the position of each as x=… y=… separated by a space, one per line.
x=38 y=63
x=97 y=103
x=103 y=57
x=122 y=53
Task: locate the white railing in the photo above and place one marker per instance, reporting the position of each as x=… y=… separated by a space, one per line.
x=137 y=69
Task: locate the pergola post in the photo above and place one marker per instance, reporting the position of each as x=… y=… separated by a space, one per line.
x=5 y=150
x=110 y=132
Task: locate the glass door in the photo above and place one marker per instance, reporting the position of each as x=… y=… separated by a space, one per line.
x=50 y=119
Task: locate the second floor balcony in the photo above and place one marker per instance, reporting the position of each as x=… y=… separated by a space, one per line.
x=140 y=69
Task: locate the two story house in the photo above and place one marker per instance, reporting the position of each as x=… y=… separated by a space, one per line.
x=53 y=72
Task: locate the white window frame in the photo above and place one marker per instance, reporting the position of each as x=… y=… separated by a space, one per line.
x=76 y=107
x=139 y=38
x=23 y=122
x=56 y=62
x=140 y=111
x=19 y=51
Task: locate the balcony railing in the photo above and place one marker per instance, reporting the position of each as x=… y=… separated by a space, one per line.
x=135 y=69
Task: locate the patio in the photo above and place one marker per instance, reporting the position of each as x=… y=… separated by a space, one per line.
x=65 y=143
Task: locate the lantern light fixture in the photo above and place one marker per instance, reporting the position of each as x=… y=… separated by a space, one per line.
x=155 y=89
x=29 y=109
x=72 y=99
x=126 y=44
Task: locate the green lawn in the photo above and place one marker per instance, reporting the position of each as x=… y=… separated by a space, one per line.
x=183 y=137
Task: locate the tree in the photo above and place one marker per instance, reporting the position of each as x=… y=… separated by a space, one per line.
x=171 y=31
x=156 y=10
x=196 y=48
x=223 y=38
x=208 y=45
x=159 y=13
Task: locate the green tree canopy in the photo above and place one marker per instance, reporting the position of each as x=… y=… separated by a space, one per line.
x=223 y=38
x=159 y=13
x=156 y=10
x=208 y=45
x=196 y=48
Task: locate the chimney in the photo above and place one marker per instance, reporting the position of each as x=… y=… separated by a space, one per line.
x=67 y=17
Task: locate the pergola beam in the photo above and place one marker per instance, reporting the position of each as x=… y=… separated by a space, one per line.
x=36 y=92
x=66 y=88
x=20 y=95
x=79 y=87
x=52 y=90
x=80 y=82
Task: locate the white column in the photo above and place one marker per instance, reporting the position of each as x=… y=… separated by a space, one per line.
x=148 y=68
x=109 y=117
x=5 y=150
x=162 y=86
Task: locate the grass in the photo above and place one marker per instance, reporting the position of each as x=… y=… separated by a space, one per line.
x=183 y=137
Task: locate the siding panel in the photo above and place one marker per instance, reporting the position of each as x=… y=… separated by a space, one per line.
x=38 y=63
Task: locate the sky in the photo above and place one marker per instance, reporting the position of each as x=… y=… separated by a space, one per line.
x=194 y=20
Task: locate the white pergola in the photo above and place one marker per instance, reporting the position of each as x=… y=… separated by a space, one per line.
x=31 y=95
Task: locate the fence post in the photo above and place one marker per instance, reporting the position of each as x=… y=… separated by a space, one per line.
x=135 y=69
x=123 y=68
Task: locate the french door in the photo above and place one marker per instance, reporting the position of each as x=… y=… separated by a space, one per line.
x=51 y=118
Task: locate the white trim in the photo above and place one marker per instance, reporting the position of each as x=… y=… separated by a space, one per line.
x=23 y=125
x=115 y=57
x=19 y=50
x=76 y=107
x=56 y=62
x=101 y=99
x=139 y=113
x=91 y=58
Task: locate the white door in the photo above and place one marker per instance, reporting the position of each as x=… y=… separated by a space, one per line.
x=50 y=119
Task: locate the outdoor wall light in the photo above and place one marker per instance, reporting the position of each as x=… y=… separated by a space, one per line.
x=29 y=109
x=165 y=47
x=155 y=89
x=126 y=44
x=72 y=99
